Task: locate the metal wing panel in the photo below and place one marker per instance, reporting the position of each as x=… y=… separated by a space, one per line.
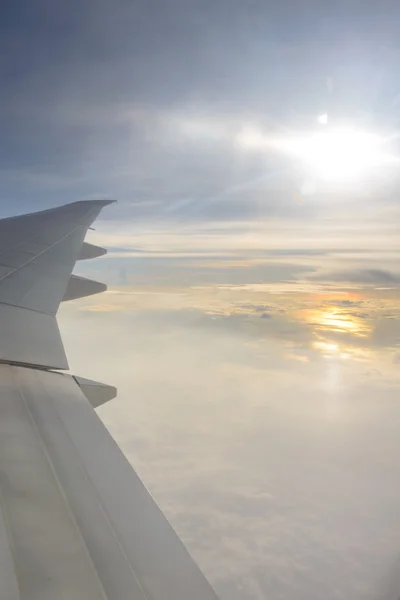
x=85 y=526
x=41 y=540
x=80 y=287
x=40 y=263
x=37 y=254
x=30 y=338
x=91 y=251
x=8 y=576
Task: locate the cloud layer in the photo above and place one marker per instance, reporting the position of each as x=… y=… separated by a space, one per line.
x=270 y=443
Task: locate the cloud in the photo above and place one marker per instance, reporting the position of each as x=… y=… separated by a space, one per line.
x=362 y=276
x=276 y=473
x=276 y=310
x=107 y=105
x=386 y=332
x=347 y=303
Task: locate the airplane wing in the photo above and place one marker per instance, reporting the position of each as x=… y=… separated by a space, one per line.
x=76 y=522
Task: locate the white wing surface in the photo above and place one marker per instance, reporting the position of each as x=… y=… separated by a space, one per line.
x=37 y=254
x=76 y=522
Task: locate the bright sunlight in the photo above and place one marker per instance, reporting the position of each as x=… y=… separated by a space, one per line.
x=339 y=155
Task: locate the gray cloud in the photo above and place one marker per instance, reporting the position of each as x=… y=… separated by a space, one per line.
x=362 y=276
x=141 y=100
x=386 y=332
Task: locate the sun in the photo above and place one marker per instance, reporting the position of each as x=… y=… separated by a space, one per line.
x=339 y=154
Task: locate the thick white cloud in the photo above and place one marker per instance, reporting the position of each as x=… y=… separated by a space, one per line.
x=275 y=461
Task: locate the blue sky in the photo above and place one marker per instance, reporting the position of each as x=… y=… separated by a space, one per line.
x=252 y=318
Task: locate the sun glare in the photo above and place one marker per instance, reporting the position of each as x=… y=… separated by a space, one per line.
x=336 y=320
x=328 y=347
x=333 y=154
x=337 y=155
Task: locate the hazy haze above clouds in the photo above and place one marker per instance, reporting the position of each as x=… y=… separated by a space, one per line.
x=252 y=319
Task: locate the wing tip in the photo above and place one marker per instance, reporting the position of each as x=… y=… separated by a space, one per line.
x=101 y=203
x=106 y=202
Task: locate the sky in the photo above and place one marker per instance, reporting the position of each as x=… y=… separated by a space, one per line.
x=251 y=322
